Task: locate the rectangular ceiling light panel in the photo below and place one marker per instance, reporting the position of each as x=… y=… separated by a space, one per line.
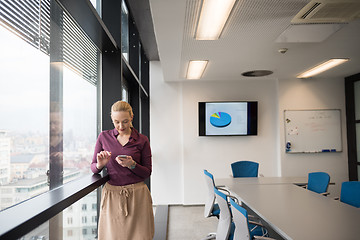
x=322 y=67
x=196 y=69
x=213 y=16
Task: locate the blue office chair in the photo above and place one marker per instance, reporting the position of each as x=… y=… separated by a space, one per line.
x=211 y=208
x=245 y=169
x=350 y=193
x=226 y=227
x=245 y=229
x=318 y=182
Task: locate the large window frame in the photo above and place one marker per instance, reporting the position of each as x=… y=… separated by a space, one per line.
x=106 y=34
x=351 y=122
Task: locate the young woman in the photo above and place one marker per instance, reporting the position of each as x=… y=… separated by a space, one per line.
x=126 y=205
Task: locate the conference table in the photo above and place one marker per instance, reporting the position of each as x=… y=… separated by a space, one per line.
x=294 y=212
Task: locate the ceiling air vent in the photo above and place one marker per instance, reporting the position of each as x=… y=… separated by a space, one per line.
x=328 y=11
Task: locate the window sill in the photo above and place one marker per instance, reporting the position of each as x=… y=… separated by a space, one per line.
x=18 y=220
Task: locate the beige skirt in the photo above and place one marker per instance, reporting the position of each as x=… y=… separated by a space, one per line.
x=126 y=213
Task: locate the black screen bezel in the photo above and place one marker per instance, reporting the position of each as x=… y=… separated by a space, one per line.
x=252 y=116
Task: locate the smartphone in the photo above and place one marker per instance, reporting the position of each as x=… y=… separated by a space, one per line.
x=122 y=156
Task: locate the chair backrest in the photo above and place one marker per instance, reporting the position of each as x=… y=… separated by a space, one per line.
x=210 y=199
x=245 y=169
x=350 y=193
x=225 y=219
x=318 y=182
x=241 y=220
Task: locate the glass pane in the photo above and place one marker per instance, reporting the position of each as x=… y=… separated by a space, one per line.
x=24 y=91
x=124 y=91
x=357 y=125
x=140 y=62
x=39 y=233
x=80 y=219
x=124 y=30
x=79 y=124
x=48 y=110
x=357 y=99
x=79 y=222
x=97 y=6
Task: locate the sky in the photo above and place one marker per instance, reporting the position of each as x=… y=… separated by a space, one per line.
x=24 y=90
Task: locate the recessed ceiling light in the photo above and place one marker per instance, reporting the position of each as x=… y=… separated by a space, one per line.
x=196 y=69
x=257 y=73
x=213 y=16
x=323 y=67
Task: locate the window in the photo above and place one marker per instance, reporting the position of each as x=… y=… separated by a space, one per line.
x=352 y=94
x=125 y=90
x=97 y=5
x=24 y=90
x=38 y=136
x=124 y=30
x=83 y=207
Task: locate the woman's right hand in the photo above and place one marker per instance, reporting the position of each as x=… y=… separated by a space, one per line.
x=102 y=158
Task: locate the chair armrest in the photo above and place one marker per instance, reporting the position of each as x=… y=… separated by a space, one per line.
x=220 y=188
x=264 y=238
x=256 y=223
x=253 y=217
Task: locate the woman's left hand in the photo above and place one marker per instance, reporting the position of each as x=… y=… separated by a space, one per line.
x=125 y=162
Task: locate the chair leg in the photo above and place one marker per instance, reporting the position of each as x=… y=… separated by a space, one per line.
x=210 y=236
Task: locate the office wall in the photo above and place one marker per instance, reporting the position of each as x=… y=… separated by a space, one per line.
x=180 y=155
x=166 y=138
x=314 y=94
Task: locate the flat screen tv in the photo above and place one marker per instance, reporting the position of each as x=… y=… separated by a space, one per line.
x=228 y=118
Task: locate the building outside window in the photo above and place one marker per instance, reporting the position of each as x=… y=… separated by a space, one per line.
x=49 y=78
x=39 y=115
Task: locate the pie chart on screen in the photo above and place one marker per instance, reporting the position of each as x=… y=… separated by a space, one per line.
x=220 y=119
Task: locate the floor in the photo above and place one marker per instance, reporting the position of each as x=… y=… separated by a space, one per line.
x=188 y=223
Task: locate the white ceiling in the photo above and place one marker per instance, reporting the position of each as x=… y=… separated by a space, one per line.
x=249 y=41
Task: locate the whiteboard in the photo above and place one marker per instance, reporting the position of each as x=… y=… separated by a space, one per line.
x=312 y=131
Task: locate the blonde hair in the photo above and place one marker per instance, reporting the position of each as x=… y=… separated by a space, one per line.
x=122 y=106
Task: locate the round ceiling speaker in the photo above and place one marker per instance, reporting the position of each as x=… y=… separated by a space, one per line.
x=257 y=73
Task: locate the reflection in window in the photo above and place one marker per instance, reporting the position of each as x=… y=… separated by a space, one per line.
x=32 y=127
x=357 y=99
x=79 y=123
x=357 y=128
x=124 y=90
x=97 y=5
x=24 y=128
x=124 y=30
